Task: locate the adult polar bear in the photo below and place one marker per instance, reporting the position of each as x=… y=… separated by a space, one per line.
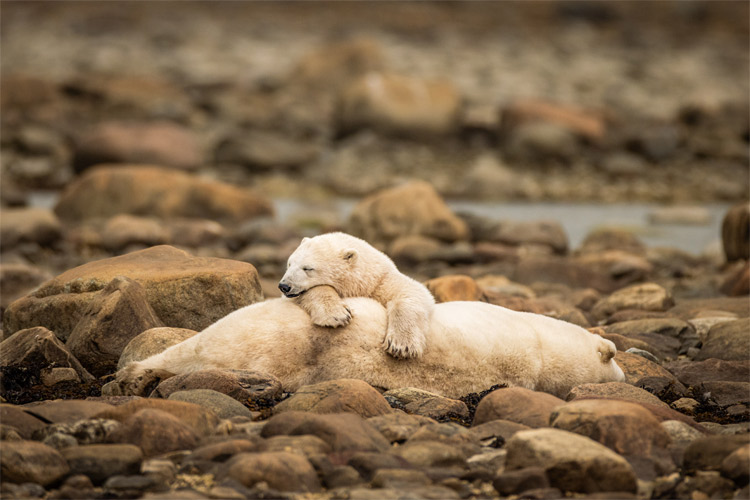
x=471 y=346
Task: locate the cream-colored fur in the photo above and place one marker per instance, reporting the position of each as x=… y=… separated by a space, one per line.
x=471 y=346
x=328 y=267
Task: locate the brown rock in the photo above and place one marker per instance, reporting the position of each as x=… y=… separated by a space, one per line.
x=693 y=373
x=66 y=411
x=603 y=239
x=517 y=404
x=691 y=308
x=124 y=230
x=261 y=151
x=101 y=461
x=282 y=471
x=223 y=450
x=454 y=287
x=332 y=67
x=735 y=232
x=242 y=385
x=494 y=429
x=665 y=335
x=146 y=190
x=336 y=396
x=303 y=445
x=613 y=390
x=709 y=452
x=426 y=404
x=184 y=291
x=546 y=233
x=564 y=270
x=160 y=143
x=200 y=420
x=646 y=296
x=119 y=313
x=31 y=462
x=412 y=208
x=736 y=465
x=155 y=432
x=151 y=342
x=431 y=454
x=729 y=341
x=28 y=225
x=581 y=122
x=737 y=283
x=398 y=426
x=16 y=280
x=637 y=367
x=23 y=422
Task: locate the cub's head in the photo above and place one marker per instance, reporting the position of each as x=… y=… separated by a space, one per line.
x=317 y=261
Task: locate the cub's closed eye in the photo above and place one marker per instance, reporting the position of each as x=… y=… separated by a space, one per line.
x=308 y=269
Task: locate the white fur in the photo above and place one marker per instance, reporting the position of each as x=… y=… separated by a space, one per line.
x=354 y=268
x=471 y=346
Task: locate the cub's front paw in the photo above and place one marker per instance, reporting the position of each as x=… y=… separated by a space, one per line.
x=401 y=350
x=136 y=382
x=334 y=317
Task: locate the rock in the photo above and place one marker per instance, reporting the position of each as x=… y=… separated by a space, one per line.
x=449 y=433
x=399 y=478
x=343 y=432
x=737 y=282
x=556 y=269
x=518 y=481
x=101 y=461
x=663 y=388
x=693 y=373
x=546 y=233
x=195 y=233
x=454 y=287
x=397 y=427
x=124 y=230
x=580 y=122
x=242 y=385
x=646 y=296
x=709 y=452
x=184 y=291
x=517 y=404
x=625 y=427
x=151 y=342
x=413 y=208
x=682 y=215
x=29 y=225
x=613 y=390
x=728 y=341
x=145 y=190
x=330 y=68
x=637 y=367
x=724 y=394
x=31 y=462
x=129 y=486
x=735 y=232
x=88 y=431
x=307 y=446
x=437 y=407
x=680 y=433
x=399 y=105
x=20 y=421
x=159 y=142
x=261 y=150
x=27 y=355
x=66 y=411
x=496 y=432
x=117 y=314
x=571 y=462
x=368 y=463
x=223 y=450
x=282 y=471
x=622 y=268
x=692 y=308
x=604 y=239
x=688 y=406
x=736 y=465
x=221 y=404
x=669 y=336
x=16 y=280
x=335 y=396
x=200 y=420
x=540 y=142
x=155 y=432
x=431 y=454
x=622 y=164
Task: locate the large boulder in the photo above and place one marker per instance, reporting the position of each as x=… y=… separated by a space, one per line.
x=149 y=190
x=414 y=208
x=728 y=341
x=184 y=291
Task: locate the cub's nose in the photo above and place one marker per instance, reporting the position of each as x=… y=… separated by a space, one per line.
x=284 y=288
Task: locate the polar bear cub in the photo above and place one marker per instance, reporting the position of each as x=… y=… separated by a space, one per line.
x=329 y=267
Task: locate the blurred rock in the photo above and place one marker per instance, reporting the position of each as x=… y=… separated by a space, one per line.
x=199 y=420
x=737 y=283
x=413 y=249
x=32 y=462
x=245 y=386
x=563 y=270
x=169 y=277
x=621 y=267
x=431 y=454
x=735 y=232
x=159 y=143
x=335 y=396
x=655 y=142
x=578 y=121
x=454 y=287
x=670 y=336
x=155 y=432
x=221 y=404
x=147 y=190
x=398 y=426
x=101 y=461
x=709 y=452
x=683 y=215
x=517 y=404
x=414 y=208
x=540 y=142
x=16 y=280
x=736 y=465
x=67 y=411
x=693 y=373
x=728 y=341
x=22 y=423
x=544 y=233
x=622 y=164
x=124 y=230
x=599 y=240
x=265 y=151
x=571 y=462
x=613 y=390
x=647 y=297
x=151 y=342
x=28 y=225
x=399 y=105
x=119 y=313
x=282 y=471
x=307 y=446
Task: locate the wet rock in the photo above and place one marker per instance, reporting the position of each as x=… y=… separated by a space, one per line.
x=728 y=341
x=335 y=396
x=144 y=190
x=124 y=230
x=408 y=209
x=647 y=296
x=736 y=466
x=16 y=280
x=517 y=404
x=397 y=426
x=115 y=316
x=28 y=355
x=221 y=404
x=242 y=385
x=32 y=462
x=454 y=287
x=100 y=461
x=637 y=367
x=571 y=462
x=343 y=432
x=518 y=481
x=282 y=471
x=613 y=390
x=201 y=420
x=709 y=452
x=266 y=151
x=399 y=105
x=155 y=432
x=693 y=373
x=426 y=404
x=159 y=143
x=151 y=342
x=735 y=232
x=29 y=225
x=169 y=276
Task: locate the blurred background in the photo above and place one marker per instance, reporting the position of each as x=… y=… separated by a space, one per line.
x=591 y=115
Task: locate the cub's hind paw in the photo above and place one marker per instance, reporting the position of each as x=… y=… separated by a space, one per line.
x=338 y=317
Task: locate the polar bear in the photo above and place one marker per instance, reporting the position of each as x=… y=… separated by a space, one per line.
x=470 y=347
x=328 y=267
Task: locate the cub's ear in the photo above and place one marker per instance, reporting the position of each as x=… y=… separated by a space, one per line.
x=305 y=239
x=349 y=255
